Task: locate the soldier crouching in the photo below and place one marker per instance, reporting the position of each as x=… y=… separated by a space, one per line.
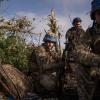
x=44 y=62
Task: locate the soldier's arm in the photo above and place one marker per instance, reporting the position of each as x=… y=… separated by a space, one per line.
x=85 y=56
x=82 y=52
x=53 y=66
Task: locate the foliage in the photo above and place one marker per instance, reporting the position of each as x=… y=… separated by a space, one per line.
x=52 y=22
x=18 y=27
x=13 y=48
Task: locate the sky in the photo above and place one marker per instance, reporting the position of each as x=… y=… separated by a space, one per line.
x=65 y=11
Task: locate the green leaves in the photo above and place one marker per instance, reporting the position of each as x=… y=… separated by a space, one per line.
x=13 y=50
x=13 y=53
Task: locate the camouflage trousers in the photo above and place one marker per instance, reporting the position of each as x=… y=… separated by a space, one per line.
x=85 y=83
x=66 y=94
x=82 y=81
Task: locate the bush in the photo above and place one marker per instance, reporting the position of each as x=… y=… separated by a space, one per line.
x=15 y=53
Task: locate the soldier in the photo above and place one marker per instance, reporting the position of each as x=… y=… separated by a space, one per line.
x=75 y=32
x=44 y=64
x=88 y=54
x=73 y=36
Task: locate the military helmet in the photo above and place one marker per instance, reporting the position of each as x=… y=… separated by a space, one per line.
x=95 y=5
x=50 y=38
x=77 y=19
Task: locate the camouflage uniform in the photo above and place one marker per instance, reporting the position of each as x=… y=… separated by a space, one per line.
x=73 y=36
x=87 y=55
x=44 y=63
